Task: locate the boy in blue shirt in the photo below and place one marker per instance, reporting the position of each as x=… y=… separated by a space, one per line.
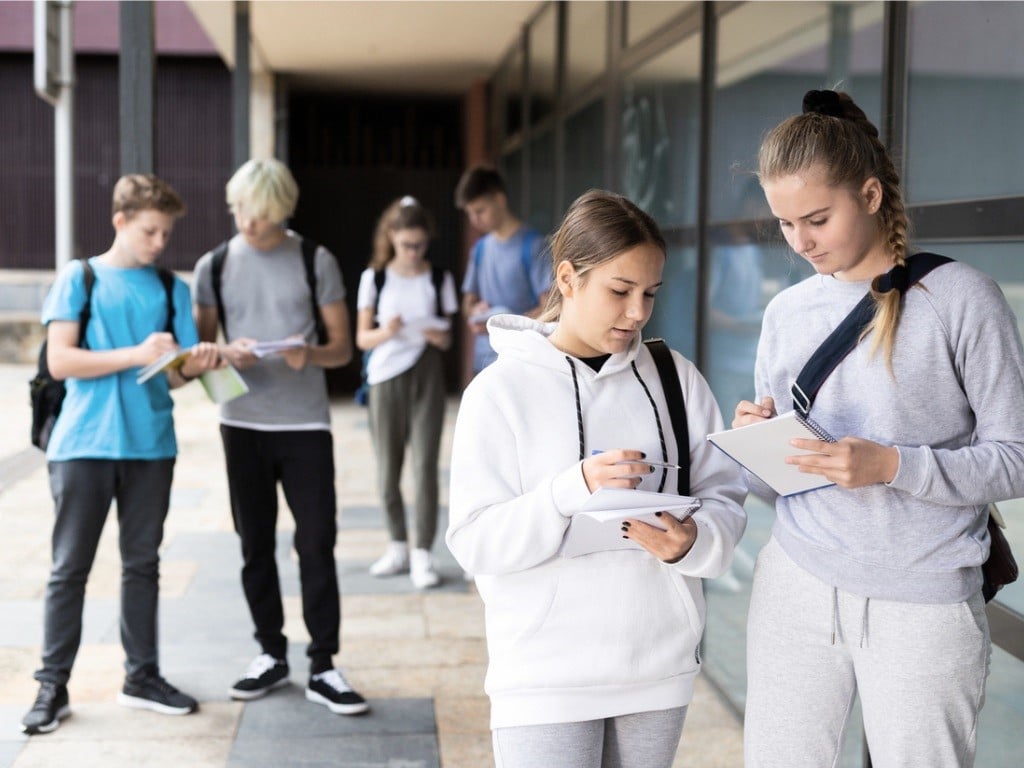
x=508 y=270
x=114 y=440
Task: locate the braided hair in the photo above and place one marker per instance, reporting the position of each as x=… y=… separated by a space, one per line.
x=834 y=134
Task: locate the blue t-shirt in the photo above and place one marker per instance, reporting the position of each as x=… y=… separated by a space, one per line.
x=112 y=417
x=501 y=278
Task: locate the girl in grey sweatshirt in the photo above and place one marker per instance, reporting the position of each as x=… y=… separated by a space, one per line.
x=872 y=586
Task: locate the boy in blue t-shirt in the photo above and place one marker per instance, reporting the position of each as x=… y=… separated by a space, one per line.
x=114 y=440
x=508 y=270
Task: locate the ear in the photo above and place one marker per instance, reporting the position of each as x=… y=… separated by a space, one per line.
x=565 y=278
x=118 y=220
x=871 y=193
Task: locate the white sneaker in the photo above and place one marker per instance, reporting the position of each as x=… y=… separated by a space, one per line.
x=394 y=561
x=421 y=570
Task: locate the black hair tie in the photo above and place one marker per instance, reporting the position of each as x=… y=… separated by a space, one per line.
x=824 y=103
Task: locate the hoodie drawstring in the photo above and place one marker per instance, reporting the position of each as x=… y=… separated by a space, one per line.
x=579 y=404
x=650 y=399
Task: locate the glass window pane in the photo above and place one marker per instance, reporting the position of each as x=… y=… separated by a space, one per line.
x=660 y=135
x=643 y=18
x=673 y=318
x=1000 y=721
x=512 y=92
x=512 y=170
x=584 y=151
x=966 y=111
x=542 y=182
x=769 y=55
x=543 y=44
x=586 y=47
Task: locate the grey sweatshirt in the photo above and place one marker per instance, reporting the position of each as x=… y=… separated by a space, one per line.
x=955 y=412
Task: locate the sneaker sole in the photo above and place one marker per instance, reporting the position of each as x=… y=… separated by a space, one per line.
x=62 y=714
x=243 y=695
x=338 y=709
x=134 y=702
x=386 y=574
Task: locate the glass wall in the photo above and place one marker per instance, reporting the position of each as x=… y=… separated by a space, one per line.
x=630 y=116
x=966 y=120
x=658 y=159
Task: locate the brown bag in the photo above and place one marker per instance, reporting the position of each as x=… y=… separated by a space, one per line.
x=1000 y=569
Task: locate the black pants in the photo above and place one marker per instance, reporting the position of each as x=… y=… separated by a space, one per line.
x=303 y=462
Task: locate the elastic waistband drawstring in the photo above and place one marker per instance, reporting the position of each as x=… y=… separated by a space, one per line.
x=864 y=625
x=835 y=613
x=863 y=618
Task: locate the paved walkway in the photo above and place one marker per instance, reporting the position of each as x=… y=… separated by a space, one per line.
x=419 y=657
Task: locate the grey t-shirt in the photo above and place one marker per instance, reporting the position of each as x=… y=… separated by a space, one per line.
x=266 y=297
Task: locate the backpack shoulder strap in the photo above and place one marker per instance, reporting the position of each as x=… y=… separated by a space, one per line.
x=167 y=278
x=847 y=334
x=526 y=256
x=673 y=390
x=379 y=278
x=89 y=278
x=309 y=262
x=437 y=278
x=216 y=270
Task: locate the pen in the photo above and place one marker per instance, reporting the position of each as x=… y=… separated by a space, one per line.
x=652 y=462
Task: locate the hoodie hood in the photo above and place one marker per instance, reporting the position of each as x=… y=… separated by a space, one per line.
x=523 y=338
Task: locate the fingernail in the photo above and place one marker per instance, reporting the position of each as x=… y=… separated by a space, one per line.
x=650 y=467
x=625 y=526
x=657 y=514
x=625 y=537
x=643 y=455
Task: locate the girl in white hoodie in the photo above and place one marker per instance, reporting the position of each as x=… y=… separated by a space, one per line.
x=592 y=658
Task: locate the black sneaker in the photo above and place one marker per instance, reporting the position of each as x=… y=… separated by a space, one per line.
x=50 y=708
x=264 y=674
x=155 y=693
x=332 y=690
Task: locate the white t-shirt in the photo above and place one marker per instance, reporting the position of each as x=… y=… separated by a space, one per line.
x=414 y=299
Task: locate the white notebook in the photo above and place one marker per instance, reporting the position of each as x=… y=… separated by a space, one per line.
x=598 y=524
x=763 y=446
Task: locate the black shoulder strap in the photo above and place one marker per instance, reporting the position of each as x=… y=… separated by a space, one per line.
x=437 y=277
x=673 y=390
x=309 y=262
x=167 y=278
x=216 y=270
x=847 y=334
x=89 y=276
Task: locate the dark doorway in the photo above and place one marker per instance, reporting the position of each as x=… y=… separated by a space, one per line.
x=352 y=155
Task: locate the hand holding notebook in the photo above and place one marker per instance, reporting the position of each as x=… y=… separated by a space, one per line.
x=762 y=449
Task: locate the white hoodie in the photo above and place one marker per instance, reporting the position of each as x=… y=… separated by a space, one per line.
x=605 y=634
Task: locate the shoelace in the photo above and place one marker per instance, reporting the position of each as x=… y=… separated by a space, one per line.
x=47 y=693
x=162 y=685
x=259 y=665
x=335 y=679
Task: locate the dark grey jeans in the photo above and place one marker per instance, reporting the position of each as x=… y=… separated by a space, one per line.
x=83 y=490
x=409 y=410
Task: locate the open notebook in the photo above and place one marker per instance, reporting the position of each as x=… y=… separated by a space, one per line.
x=597 y=526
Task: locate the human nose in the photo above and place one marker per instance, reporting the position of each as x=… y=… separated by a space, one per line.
x=635 y=310
x=801 y=241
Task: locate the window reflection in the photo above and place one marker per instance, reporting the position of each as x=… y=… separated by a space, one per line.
x=584 y=151
x=542 y=182
x=967 y=113
x=644 y=17
x=543 y=46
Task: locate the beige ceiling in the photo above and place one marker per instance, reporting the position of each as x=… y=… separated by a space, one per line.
x=436 y=46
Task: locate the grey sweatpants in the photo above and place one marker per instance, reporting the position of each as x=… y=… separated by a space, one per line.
x=409 y=409
x=919 y=670
x=639 y=740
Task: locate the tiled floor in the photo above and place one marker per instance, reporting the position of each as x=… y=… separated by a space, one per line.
x=418 y=657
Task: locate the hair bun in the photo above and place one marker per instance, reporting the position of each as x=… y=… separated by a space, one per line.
x=824 y=103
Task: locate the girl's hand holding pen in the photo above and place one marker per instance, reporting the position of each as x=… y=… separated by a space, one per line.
x=619 y=468
x=750 y=413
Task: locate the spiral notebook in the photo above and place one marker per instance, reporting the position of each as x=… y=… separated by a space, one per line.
x=763 y=446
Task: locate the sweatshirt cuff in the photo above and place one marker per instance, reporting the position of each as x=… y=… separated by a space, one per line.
x=910 y=475
x=696 y=560
x=569 y=490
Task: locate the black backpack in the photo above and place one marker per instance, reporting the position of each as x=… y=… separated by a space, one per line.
x=308 y=261
x=46 y=394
